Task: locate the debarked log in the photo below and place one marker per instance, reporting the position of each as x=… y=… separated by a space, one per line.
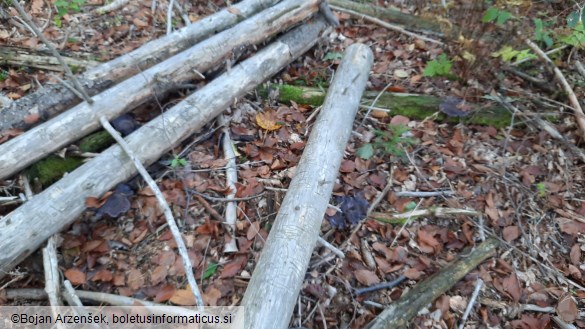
x=55 y=98
x=83 y=119
x=273 y=289
x=26 y=228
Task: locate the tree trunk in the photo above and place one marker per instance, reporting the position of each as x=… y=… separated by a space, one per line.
x=26 y=228
x=83 y=119
x=56 y=98
x=272 y=292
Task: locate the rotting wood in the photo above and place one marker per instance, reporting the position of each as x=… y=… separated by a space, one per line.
x=391 y=15
x=41 y=59
x=273 y=289
x=413 y=106
x=23 y=230
x=55 y=98
x=400 y=312
x=83 y=119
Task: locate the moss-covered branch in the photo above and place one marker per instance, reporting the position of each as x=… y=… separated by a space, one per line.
x=416 y=107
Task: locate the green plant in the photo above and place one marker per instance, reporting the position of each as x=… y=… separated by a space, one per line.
x=65 y=7
x=497 y=16
x=438 y=67
x=3 y=75
x=211 y=269
x=508 y=54
x=541 y=33
x=541 y=187
x=332 y=55
x=178 y=162
x=391 y=142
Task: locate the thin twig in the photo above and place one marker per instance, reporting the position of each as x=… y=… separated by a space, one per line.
x=331 y=247
x=52 y=279
x=550 y=52
x=579 y=115
x=170 y=17
x=380 y=286
x=166 y=210
x=114 y=5
x=385 y=24
x=70 y=294
x=231 y=177
x=54 y=51
x=419 y=194
x=471 y=302
x=227 y=199
x=580 y=68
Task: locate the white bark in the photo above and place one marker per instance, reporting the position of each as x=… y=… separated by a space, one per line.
x=18 y=153
x=56 y=98
x=271 y=295
x=26 y=228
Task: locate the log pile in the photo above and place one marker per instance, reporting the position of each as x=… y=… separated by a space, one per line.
x=152 y=70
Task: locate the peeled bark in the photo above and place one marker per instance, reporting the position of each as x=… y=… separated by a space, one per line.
x=26 y=228
x=55 y=98
x=272 y=292
x=83 y=119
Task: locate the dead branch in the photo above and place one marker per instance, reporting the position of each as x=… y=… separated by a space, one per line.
x=579 y=115
x=399 y=313
x=166 y=210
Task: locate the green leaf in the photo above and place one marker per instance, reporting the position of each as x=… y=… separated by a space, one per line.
x=410 y=206
x=503 y=17
x=332 y=55
x=573 y=19
x=490 y=15
x=438 y=67
x=366 y=151
x=211 y=269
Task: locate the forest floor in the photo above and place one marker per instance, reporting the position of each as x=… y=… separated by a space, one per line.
x=527 y=188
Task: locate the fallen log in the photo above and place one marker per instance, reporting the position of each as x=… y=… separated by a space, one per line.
x=83 y=119
x=26 y=228
x=55 y=98
x=399 y=313
x=41 y=59
x=273 y=289
x=392 y=15
x=413 y=106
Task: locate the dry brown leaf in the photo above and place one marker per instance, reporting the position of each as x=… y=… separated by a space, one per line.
x=158 y=275
x=183 y=297
x=567 y=309
x=165 y=293
x=511 y=233
x=211 y=295
x=103 y=275
x=268 y=120
x=253 y=230
x=512 y=286
x=76 y=276
x=135 y=279
x=367 y=278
